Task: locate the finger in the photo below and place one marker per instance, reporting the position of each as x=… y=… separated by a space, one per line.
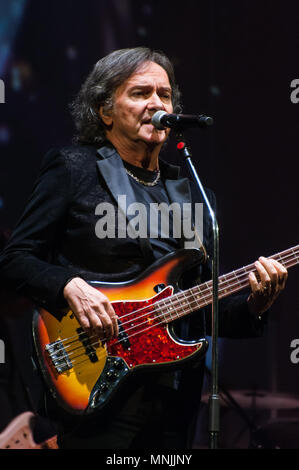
x=277 y=286
x=96 y=324
x=255 y=288
x=271 y=270
x=282 y=272
x=114 y=319
x=282 y=277
x=110 y=318
x=83 y=320
x=87 y=318
x=265 y=279
x=115 y=324
x=80 y=315
x=106 y=321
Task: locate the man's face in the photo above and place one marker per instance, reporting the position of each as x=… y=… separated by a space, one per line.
x=135 y=102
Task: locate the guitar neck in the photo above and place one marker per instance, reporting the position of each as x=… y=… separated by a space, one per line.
x=186 y=302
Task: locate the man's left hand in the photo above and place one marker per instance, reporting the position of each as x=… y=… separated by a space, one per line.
x=273 y=276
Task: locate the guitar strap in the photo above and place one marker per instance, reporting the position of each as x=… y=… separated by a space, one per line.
x=202 y=247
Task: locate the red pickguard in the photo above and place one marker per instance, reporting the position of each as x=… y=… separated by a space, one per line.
x=149 y=338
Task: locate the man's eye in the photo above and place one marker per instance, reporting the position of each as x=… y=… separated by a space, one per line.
x=165 y=96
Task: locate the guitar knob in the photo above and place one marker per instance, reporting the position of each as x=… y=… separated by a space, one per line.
x=111 y=374
x=96 y=397
x=118 y=364
x=104 y=387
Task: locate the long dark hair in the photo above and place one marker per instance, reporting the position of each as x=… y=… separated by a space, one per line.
x=98 y=89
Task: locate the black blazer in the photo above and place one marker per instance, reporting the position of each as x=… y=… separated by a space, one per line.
x=55 y=237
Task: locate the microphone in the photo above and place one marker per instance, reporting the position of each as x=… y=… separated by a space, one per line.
x=161 y=119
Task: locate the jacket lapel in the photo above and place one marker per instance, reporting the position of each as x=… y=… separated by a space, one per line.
x=113 y=171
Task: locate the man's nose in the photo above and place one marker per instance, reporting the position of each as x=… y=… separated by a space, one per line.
x=155 y=102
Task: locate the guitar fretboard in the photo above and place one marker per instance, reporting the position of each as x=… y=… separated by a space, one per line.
x=186 y=302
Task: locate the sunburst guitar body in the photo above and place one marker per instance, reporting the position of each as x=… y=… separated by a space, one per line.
x=84 y=373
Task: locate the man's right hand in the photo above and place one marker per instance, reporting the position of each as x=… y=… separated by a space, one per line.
x=92 y=309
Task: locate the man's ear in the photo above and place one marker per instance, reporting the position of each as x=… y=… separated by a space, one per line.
x=105 y=115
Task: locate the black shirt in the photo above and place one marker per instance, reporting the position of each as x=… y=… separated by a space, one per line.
x=162 y=240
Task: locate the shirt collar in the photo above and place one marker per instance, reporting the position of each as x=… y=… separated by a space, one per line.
x=168 y=171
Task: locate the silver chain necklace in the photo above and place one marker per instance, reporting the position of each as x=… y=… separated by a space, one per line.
x=145 y=183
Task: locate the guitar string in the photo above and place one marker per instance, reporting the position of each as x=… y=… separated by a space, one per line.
x=150 y=309
x=139 y=332
x=139 y=325
x=144 y=330
x=177 y=296
x=102 y=354
x=162 y=306
x=182 y=294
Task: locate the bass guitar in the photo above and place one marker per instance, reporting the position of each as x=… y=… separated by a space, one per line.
x=83 y=373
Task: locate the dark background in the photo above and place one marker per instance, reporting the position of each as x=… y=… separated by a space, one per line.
x=234 y=61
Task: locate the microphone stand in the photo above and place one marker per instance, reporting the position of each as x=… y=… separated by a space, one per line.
x=214 y=401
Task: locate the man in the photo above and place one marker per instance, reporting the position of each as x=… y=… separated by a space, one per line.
x=55 y=248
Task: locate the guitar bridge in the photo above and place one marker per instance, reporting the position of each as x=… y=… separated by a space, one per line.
x=59 y=357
